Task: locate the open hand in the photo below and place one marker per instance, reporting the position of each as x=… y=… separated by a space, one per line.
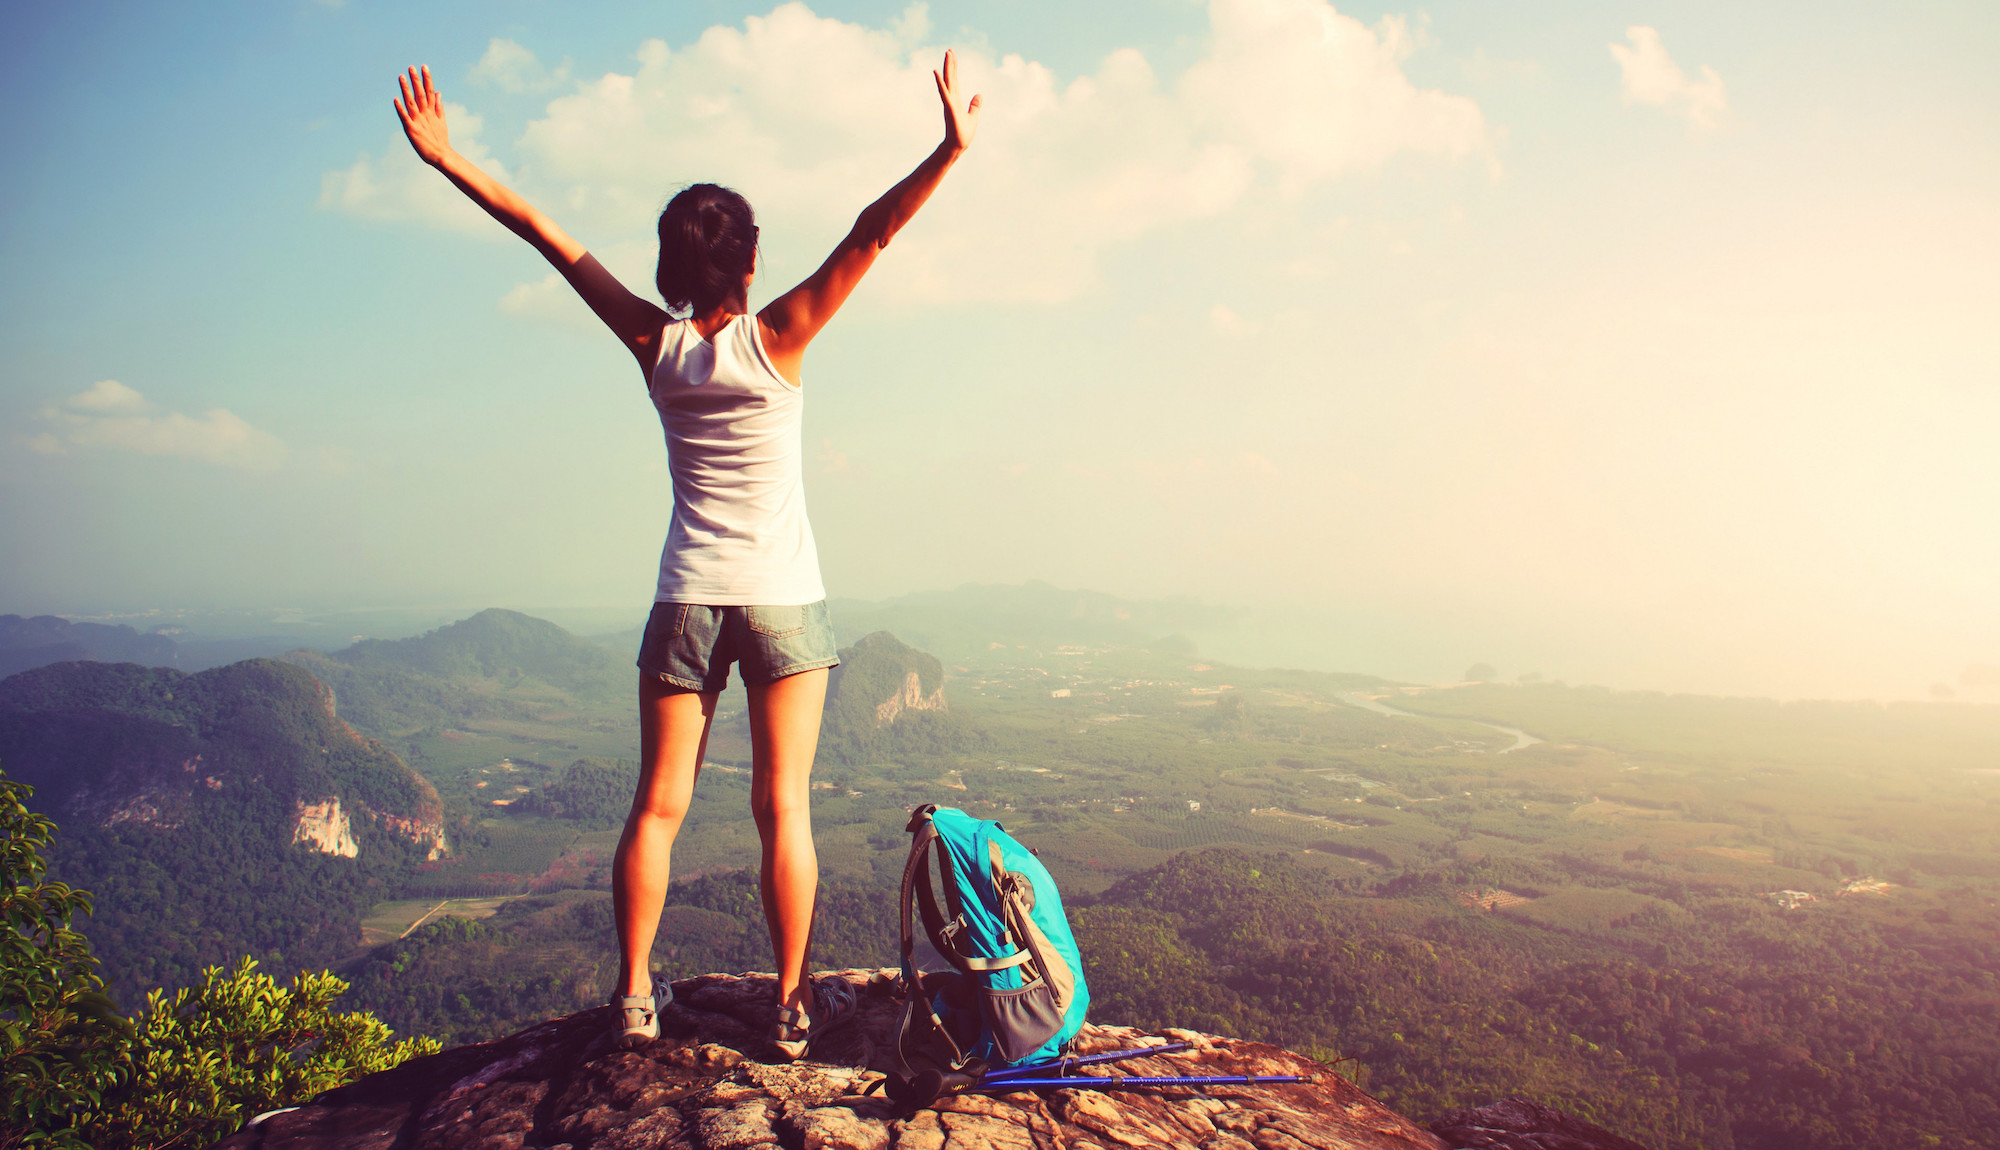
x=959 y=125
x=421 y=109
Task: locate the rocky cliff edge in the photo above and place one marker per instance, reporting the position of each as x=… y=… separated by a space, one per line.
x=562 y=1084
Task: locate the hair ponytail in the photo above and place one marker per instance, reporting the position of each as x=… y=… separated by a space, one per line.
x=708 y=243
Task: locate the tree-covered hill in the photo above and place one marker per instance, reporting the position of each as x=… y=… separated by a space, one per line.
x=493 y=665
x=886 y=701
x=1754 y=1030
x=498 y=644
x=211 y=812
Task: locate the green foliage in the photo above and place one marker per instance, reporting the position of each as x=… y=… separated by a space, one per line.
x=1770 y=1030
x=212 y=1056
x=168 y=905
x=594 y=792
x=61 y=1042
x=1142 y=973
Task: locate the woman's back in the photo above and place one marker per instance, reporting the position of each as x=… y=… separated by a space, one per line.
x=735 y=445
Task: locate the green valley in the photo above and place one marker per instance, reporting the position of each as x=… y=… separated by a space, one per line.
x=1704 y=922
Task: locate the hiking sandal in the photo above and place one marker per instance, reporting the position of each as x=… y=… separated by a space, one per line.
x=639 y=1016
x=834 y=1003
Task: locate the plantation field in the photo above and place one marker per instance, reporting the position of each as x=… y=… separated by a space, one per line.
x=392 y=920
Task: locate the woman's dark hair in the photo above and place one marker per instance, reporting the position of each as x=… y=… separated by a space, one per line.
x=708 y=243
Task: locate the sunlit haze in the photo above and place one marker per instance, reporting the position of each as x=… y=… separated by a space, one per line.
x=1642 y=345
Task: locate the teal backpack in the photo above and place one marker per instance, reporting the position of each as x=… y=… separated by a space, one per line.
x=1015 y=993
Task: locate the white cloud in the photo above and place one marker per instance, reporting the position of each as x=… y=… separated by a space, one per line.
x=1652 y=77
x=108 y=397
x=401 y=187
x=1318 y=94
x=812 y=118
x=110 y=415
x=511 y=68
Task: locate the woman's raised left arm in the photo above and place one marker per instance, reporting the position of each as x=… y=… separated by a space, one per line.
x=791 y=321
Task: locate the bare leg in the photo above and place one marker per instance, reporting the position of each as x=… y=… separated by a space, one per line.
x=673 y=736
x=784 y=736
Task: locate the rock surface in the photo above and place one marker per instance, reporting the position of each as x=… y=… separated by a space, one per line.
x=563 y=1084
x=1518 y=1124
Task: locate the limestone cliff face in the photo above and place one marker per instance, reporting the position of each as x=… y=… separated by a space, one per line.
x=324 y=827
x=426 y=829
x=910 y=697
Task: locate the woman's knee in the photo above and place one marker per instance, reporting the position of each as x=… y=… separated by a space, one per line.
x=658 y=809
x=772 y=810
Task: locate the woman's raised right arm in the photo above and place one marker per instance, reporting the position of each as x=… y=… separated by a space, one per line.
x=636 y=322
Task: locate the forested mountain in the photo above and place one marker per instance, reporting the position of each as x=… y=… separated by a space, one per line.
x=213 y=814
x=491 y=664
x=43 y=639
x=499 y=644
x=886 y=700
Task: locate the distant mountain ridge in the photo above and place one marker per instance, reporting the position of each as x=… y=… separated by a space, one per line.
x=966 y=621
x=36 y=641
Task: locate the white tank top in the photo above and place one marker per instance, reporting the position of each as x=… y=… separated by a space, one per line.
x=736 y=447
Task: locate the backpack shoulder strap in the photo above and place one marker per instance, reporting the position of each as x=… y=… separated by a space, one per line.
x=918 y=1015
x=918 y=896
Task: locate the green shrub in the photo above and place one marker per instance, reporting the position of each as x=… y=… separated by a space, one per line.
x=62 y=1044
x=215 y=1055
x=80 y=1077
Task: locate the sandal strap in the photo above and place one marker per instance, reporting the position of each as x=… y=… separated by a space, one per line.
x=796 y=1019
x=646 y=1005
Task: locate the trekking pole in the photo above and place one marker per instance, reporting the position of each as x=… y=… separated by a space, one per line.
x=1062 y=1065
x=1124 y=1082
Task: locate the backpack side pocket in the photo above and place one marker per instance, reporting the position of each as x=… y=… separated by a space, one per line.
x=1021 y=1018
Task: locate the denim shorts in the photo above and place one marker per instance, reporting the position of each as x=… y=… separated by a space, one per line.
x=692 y=646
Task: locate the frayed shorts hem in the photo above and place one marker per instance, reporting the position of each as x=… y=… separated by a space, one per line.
x=686 y=684
x=691 y=645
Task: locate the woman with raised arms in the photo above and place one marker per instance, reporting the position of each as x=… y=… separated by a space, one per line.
x=739 y=578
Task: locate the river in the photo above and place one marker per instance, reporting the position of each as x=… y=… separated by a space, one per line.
x=1521 y=738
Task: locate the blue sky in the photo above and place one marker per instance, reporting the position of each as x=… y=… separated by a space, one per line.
x=1443 y=334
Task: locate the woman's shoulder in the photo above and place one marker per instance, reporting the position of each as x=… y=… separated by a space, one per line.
x=746 y=333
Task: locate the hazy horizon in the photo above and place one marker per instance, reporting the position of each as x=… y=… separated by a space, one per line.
x=1635 y=346
x=1252 y=638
